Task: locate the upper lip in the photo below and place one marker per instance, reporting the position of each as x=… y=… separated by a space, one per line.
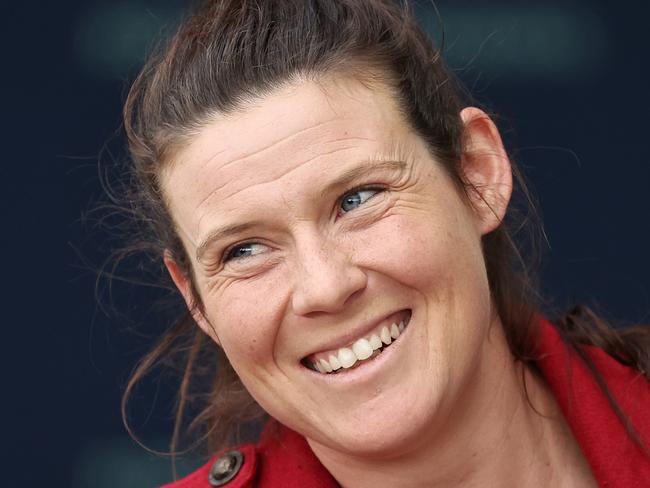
x=353 y=335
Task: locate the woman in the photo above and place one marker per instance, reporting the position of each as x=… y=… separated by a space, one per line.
x=336 y=220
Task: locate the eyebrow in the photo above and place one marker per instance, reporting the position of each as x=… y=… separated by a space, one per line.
x=364 y=168
x=343 y=180
x=221 y=233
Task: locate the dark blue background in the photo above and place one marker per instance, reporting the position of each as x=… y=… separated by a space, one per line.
x=569 y=81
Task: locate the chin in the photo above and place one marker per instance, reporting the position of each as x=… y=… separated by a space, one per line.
x=386 y=430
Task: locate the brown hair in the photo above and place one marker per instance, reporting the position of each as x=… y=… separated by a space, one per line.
x=230 y=52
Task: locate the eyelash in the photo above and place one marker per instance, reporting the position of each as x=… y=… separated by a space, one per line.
x=229 y=254
x=376 y=189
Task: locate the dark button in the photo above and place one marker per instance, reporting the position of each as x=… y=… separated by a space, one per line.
x=225 y=468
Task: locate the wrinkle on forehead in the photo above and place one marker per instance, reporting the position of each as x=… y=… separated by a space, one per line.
x=269 y=173
x=258 y=185
x=260 y=152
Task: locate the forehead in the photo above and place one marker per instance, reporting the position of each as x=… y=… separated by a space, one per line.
x=301 y=134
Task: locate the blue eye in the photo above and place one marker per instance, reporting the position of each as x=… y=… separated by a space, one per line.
x=246 y=250
x=355 y=198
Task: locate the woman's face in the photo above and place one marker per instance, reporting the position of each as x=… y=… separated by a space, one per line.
x=314 y=219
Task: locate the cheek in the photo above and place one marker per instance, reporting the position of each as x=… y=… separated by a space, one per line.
x=440 y=259
x=424 y=253
x=246 y=322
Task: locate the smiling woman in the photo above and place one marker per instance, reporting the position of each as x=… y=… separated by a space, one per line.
x=337 y=222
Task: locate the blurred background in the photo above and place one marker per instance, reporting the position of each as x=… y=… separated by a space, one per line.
x=568 y=81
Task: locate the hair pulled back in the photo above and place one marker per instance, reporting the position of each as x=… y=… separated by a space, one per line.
x=231 y=52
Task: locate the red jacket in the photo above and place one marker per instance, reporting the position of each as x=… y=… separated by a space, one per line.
x=282 y=458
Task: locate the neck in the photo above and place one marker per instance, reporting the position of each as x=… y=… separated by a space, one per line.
x=495 y=436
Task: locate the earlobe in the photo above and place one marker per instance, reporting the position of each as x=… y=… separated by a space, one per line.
x=486 y=169
x=182 y=282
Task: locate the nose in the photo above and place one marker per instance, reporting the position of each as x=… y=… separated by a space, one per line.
x=326 y=276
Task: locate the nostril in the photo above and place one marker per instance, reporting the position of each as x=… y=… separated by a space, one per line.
x=326 y=283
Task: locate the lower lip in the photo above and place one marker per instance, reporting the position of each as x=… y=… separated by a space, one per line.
x=368 y=367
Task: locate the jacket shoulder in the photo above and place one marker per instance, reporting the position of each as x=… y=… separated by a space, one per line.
x=615 y=457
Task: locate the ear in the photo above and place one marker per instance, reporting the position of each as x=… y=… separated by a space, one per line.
x=486 y=168
x=182 y=282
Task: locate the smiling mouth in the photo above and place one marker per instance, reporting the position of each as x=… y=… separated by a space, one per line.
x=363 y=349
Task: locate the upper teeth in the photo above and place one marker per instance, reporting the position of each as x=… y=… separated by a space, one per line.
x=363 y=348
